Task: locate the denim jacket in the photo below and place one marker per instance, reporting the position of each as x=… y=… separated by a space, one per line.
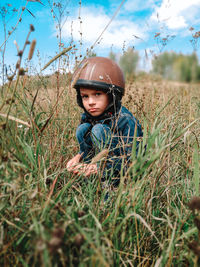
x=123 y=129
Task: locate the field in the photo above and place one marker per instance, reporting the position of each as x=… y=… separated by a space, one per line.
x=51 y=218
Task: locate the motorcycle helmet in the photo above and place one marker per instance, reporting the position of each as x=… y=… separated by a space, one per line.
x=101 y=74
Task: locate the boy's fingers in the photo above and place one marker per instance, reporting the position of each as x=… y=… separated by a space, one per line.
x=70 y=167
x=73 y=166
x=84 y=169
x=69 y=164
x=79 y=169
x=92 y=169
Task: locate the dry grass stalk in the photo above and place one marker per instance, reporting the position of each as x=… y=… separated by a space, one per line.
x=57 y=56
x=15 y=119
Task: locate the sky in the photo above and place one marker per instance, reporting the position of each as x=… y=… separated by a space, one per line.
x=149 y=27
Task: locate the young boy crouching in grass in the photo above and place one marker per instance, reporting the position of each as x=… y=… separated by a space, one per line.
x=105 y=123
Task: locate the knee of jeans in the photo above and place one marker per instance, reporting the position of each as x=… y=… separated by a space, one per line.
x=82 y=130
x=100 y=132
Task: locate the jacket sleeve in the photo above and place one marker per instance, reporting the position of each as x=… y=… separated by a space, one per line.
x=127 y=129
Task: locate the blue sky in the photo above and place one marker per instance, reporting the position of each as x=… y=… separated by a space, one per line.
x=135 y=25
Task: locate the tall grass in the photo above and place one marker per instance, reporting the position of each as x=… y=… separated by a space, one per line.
x=50 y=217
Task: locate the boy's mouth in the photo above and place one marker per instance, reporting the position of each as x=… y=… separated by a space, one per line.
x=93 y=110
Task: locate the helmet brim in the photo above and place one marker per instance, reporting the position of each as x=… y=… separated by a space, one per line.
x=101 y=86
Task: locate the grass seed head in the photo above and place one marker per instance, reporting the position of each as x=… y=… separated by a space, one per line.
x=32 y=29
x=20 y=53
x=194 y=203
x=101 y=155
x=81 y=213
x=197 y=223
x=78 y=240
x=10 y=78
x=32 y=49
x=57 y=239
x=194 y=246
x=21 y=72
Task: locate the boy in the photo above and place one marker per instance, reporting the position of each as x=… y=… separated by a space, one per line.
x=105 y=123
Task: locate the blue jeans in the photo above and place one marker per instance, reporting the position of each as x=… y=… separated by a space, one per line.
x=92 y=139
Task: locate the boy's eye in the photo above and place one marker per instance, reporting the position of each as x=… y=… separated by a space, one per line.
x=97 y=94
x=84 y=96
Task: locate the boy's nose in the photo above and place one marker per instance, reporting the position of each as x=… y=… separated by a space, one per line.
x=91 y=101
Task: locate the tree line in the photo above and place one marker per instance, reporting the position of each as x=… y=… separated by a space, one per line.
x=169 y=65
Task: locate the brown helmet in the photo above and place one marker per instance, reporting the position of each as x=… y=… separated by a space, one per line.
x=99 y=73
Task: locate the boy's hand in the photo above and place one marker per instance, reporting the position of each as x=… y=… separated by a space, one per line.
x=90 y=169
x=72 y=163
x=85 y=169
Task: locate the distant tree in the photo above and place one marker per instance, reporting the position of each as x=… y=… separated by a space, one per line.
x=179 y=67
x=192 y=67
x=163 y=64
x=112 y=56
x=128 y=62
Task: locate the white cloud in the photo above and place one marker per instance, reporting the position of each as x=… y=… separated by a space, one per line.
x=93 y=23
x=177 y=14
x=136 y=5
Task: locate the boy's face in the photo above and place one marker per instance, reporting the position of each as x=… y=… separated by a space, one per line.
x=95 y=102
